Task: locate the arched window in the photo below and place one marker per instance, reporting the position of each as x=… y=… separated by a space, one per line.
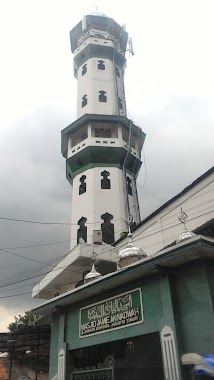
x=105 y=182
x=84 y=69
x=82 y=231
x=129 y=185
x=82 y=186
x=107 y=228
x=84 y=100
x=101 y=65
x=102 y=96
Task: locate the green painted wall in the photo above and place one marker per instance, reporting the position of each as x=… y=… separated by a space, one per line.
x=152 y=313
x=94 y=156
x=194 y=308
x=54 y=346
x=210 y=277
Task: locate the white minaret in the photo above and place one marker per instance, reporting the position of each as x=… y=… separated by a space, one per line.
x=102 y=147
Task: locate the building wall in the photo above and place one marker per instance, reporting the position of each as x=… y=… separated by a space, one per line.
x=193 y=305
x=157 y=309
x=152 y=316
x=182 y=300
x=96 y=80
x=210 y=276
x=162 y=229
x=54 y=346
x=97 y=201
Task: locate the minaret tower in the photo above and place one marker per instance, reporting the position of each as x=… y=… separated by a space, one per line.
x=102 y=147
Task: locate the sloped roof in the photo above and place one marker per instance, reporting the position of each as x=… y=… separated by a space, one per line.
x=166 y=204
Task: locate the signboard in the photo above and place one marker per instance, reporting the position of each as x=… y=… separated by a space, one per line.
x=113 y=313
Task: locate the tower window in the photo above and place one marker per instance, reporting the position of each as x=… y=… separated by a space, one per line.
x=102 y=96
x=107 y=228
x=82 y=186
x=82 y=231
x=102 y=132
x=84 y=100
x=101 y=65
x=84 y=69
x=117 y=71
x=120 y=104
x=105 y=182
x=129 y=186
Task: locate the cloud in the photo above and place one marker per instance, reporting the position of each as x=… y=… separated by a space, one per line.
x=7 y=316
x=178 y=149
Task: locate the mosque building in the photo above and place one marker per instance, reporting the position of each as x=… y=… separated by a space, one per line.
x=133 y=299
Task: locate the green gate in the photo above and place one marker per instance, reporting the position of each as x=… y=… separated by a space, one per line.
x=104 y=371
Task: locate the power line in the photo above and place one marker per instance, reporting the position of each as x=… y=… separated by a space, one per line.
x=75 y=224
x=48 y=223
x=97 y=255
x=38 y=245
x=34 y=222
x=154 y=230
x=23 y=257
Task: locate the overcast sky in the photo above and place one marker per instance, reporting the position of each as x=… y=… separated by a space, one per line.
x=170 y=95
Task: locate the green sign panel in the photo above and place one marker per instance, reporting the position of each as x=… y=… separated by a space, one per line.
x=113 y=313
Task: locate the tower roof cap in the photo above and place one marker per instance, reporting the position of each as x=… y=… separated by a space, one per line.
x=100 y=22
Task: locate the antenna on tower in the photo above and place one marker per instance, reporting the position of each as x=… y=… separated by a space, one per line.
x=130 y=48
x=84 y=23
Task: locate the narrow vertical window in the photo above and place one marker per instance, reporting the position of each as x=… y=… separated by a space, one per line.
x=84 y=100
x=129 y=186
x=84 y=69
x=120 y=104
x=117 y=71
x=107 y=228
x=82 y=186
x=105 y=182
x=82 y=231
x=101 y=65
x=102 y=96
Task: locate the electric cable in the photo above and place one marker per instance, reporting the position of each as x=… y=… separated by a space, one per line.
x=46 y=223
x=75 y=224
x=151 y=230
x=100 y=253
x=20 y=294
x=49 y=263
x=38 y=245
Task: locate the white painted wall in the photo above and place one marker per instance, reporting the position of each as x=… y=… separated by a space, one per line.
x=164 y=228
x=96 y=201
x=96 y=80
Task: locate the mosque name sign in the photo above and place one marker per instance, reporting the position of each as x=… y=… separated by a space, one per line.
x=113 y=313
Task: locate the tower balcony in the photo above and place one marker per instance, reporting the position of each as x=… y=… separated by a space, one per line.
x=101 y=140
x=101 y=130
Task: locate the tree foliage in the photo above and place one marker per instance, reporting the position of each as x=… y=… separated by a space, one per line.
x=21 y=321
x=28 y=359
